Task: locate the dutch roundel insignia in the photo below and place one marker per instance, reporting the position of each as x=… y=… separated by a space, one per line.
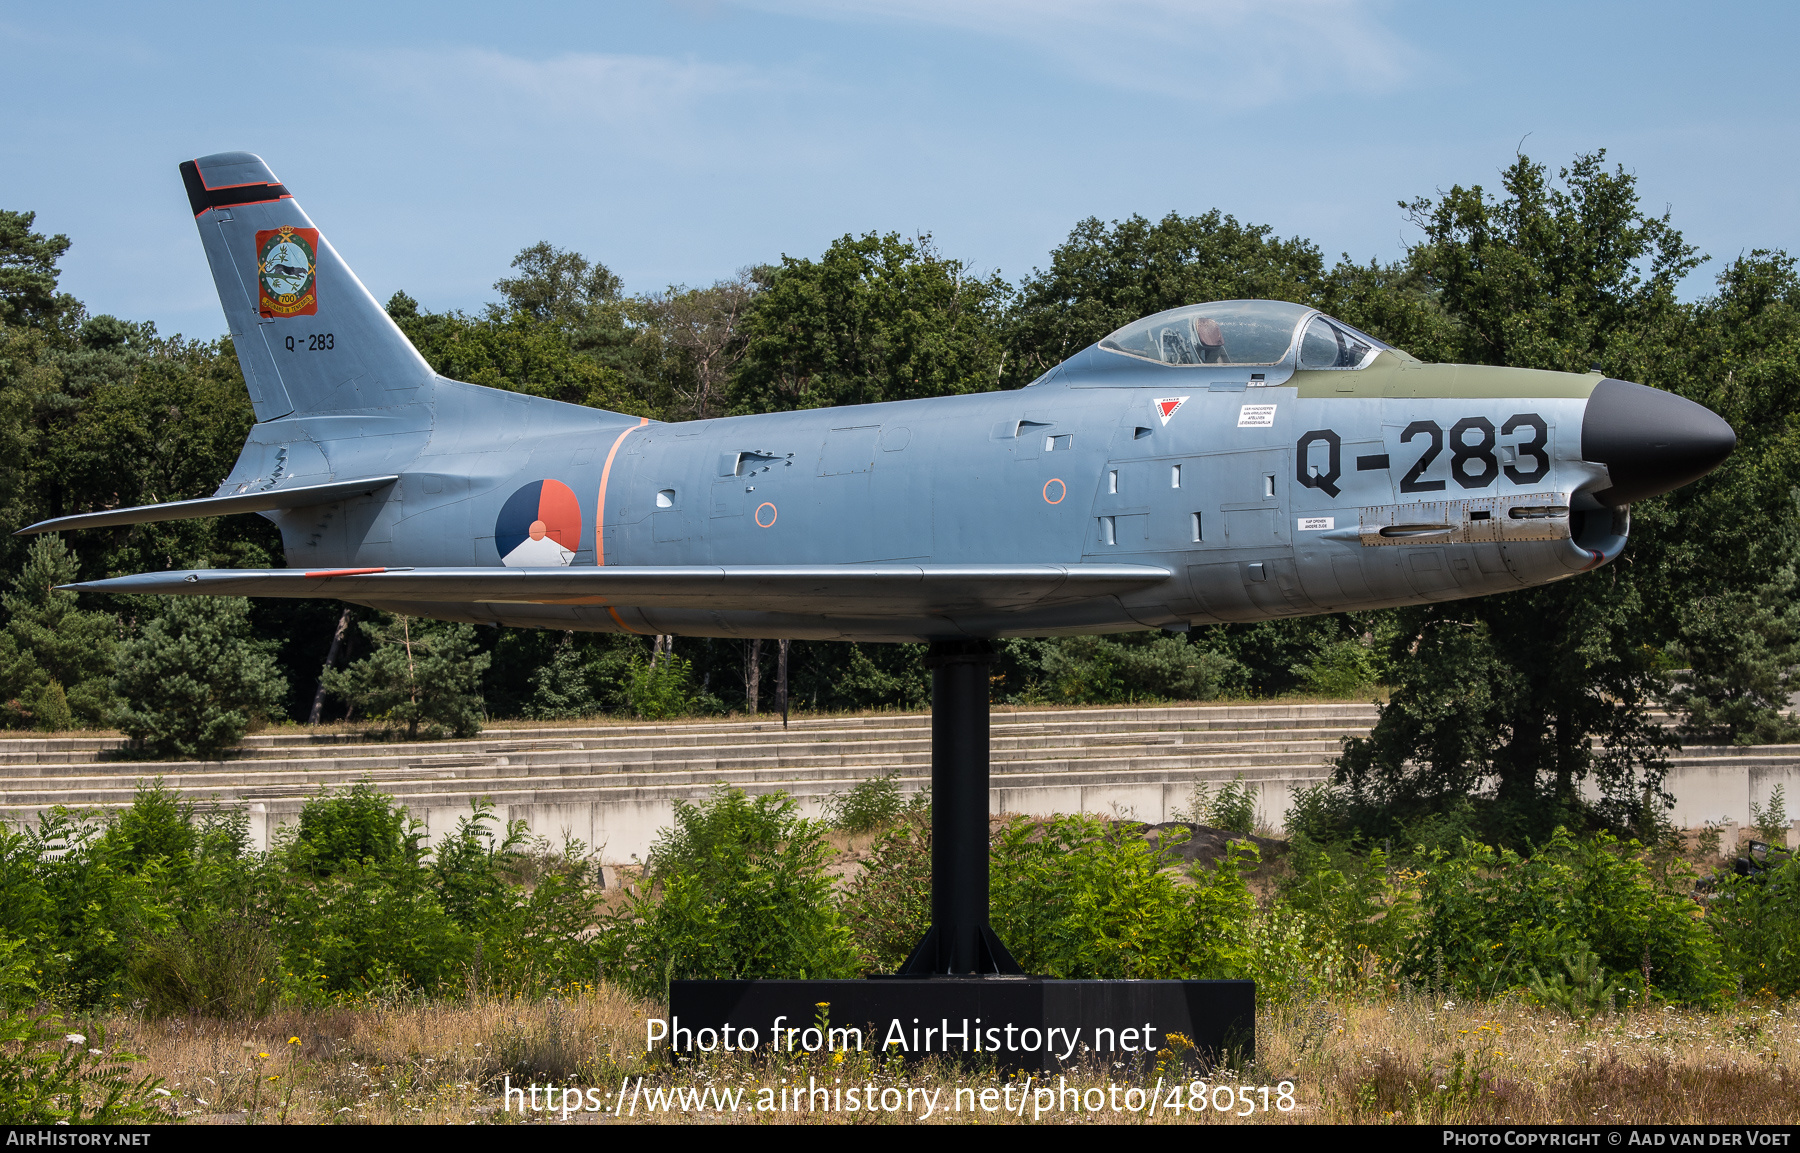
x=1167 y=405
x=286 y=271
x=539 y=526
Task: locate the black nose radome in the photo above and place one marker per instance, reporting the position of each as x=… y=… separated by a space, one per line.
x=1650 y=441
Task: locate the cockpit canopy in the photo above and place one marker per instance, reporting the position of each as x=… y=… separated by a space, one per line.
x=1264 y=332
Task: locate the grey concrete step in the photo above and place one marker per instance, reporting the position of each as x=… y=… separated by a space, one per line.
x=615 y=784
x=856 y=743
x=277 y=744
x=76 y=781
x=109 y=789
x=418 y=793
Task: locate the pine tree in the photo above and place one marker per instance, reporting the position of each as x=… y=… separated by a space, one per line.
x=423 y=675
x=195 y=679
x=55 y=659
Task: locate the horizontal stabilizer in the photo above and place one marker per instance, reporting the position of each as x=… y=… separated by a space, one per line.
x=299 y=496
x=874 y=590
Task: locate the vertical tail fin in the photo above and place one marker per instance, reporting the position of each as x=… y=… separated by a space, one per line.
x=309 y=336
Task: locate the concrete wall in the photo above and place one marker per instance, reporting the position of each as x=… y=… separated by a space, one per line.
x=1715 y=786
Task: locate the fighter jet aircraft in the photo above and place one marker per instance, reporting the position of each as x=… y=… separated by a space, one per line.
x=1225 y=461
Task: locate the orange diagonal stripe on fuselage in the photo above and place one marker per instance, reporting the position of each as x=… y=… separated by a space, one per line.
x=600 y=513
x=606 y=475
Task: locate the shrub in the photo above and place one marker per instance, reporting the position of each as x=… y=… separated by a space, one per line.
x=360 y=908
x=1342 y=668
x=469 y=864
x=373 y=925
x=1099 y=670
x=1358 y=906
x=660 y=689
x=1757 y=921
x=739 y=890
x=1289 y=958
x=887 y=908
x=1232 y=808
x=353 y=826
x=76 y=904
x=51 y=1076
x=1076 y=898
x=157 y=826
x=527 y=937
x=218 y=964
x=1772 y=822
x=423 y=677
x=870 y=804
x=1493 y=919
x=195 y=679
x=211 y=951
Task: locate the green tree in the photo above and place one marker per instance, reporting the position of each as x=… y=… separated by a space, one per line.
x=97 y=412
x=158 y=827
x=28 y=274
x=560 y=686
x=1522 y=698
x=55 y=659
x=1554 y=274
x=875 y=318
x=558 y=285
x=1107 y=670
x=520 y=352
x=1719 y=554
x=1741 y=647
x=195 y=679
x=1519 y=701
x=660 y=687
x=424 y=676
x=1106 y=276
x=703 y=332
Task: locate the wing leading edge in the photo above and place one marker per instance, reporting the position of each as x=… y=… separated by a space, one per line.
x=872 y=590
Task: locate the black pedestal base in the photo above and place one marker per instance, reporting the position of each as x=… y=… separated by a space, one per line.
x=1017 y=1022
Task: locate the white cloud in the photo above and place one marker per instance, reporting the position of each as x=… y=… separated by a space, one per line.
x=630 y=92
x=1235 y=52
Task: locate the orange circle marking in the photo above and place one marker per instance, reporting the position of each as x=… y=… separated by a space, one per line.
x=759 y=511
x=1062 y=490
x=538 y=529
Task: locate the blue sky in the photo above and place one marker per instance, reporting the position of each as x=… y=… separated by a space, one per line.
x=678 y=141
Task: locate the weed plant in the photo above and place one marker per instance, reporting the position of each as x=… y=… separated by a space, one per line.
x=1232 y=807
x=872 y=803
x=162 y=916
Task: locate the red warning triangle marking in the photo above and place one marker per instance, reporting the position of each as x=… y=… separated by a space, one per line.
x=1166 y=406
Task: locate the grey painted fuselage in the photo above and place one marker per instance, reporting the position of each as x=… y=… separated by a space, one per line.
x=1238 y=492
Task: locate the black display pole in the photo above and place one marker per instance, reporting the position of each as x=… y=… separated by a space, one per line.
x=959 y=943
x=960 y=972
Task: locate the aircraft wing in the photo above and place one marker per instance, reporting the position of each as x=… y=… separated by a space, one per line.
x=875 y=590
x=297 y=496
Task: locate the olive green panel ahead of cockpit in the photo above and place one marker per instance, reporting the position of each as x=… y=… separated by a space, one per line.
x=1391 y=374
